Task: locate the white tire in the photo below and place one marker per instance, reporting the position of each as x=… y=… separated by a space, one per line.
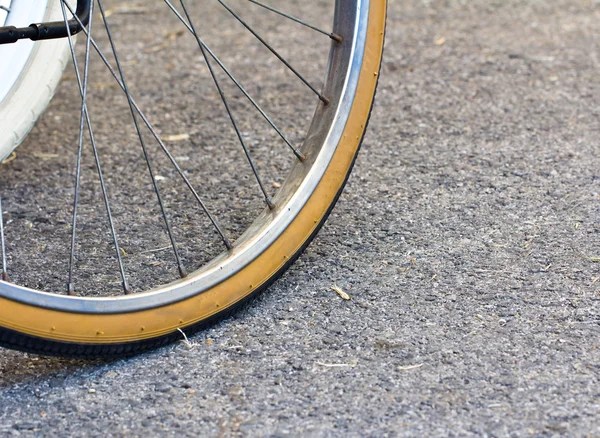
x=30 y=93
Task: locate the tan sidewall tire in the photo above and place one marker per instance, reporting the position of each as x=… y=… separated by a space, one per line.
x=111 y=329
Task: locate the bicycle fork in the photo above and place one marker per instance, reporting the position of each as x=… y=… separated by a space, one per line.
x=50 y=30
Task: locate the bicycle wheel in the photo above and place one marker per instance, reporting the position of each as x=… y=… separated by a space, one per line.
x=29 y=73
x=198 y=251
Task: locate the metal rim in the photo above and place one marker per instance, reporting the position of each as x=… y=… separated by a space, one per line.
x=304 y=177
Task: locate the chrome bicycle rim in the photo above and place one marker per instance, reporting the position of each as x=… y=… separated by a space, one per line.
x=320 y=142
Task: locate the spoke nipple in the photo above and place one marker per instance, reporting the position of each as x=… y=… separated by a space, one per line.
x=182 y=272
x=270 y=203
x=228 y=244
x=5 y=276
x=126 y=288
x=70 y=289
x=335 y=37
x=302 y=158
x=325 y=101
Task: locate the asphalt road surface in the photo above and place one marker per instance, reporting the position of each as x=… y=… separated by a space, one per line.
x=468 y=239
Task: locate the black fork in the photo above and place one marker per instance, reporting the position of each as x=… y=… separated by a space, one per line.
x=48 y=31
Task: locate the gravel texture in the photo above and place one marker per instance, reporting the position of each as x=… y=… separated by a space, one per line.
x=468 y=239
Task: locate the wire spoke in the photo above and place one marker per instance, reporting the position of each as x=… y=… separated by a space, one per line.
x=274 y=52
x=70 y=285
x=182 y=271
x=296 y=152
x=228 y=109
x=4 y=274
x=157 y=137
x=331 y=35
x=97 y=160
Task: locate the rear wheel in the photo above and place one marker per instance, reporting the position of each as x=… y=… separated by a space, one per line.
x=245 y=245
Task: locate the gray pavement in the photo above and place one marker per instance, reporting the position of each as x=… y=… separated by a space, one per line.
x=468 y=239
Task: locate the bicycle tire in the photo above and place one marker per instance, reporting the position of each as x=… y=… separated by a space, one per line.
x=37 y=328
x=29 y=97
